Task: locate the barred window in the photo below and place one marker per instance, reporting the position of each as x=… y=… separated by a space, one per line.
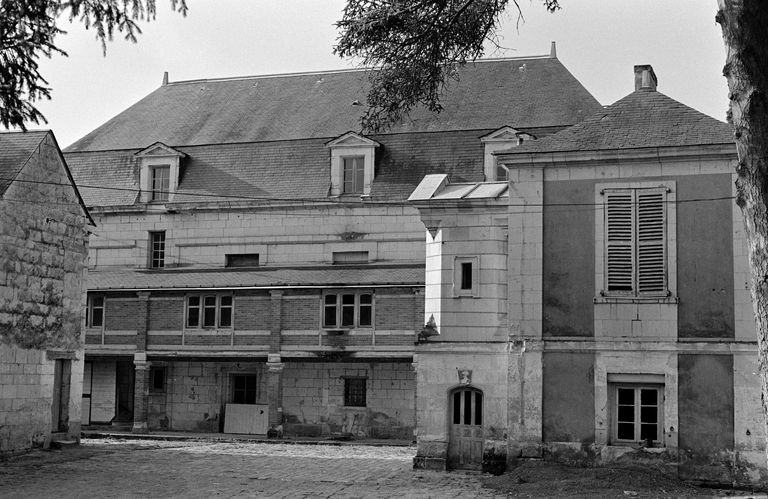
x=355 y=392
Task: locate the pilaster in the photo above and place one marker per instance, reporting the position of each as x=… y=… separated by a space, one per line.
x=142 y=321
x=140 y=393
x=275 y=389
x=275 y=321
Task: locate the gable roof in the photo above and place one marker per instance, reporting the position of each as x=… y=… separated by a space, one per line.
x=15 y=150
x=644 y=118
x=524 y=92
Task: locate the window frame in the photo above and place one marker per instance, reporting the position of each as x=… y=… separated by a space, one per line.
x=460 y=264
x=357 y=173
x=154 y=371
x=256 y=388
x=602 y=292
x=157 y=256
x=339 y=306
x=200 y=309
x=613 y=394
x=161 y=195
x=90 y=307
x=356 y=397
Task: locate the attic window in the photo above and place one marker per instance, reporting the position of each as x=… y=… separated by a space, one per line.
x=241 y=260
x=498 y=140
x=352 y=165
x=159 y=170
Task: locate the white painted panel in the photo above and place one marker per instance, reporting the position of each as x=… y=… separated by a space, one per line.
x=103 y=391
x=247 y=419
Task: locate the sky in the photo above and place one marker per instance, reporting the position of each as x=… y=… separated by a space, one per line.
x=598 y=41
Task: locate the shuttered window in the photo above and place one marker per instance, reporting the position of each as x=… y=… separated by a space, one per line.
x=636 y=242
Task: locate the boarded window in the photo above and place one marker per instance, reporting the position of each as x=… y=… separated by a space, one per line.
x=636 y=242
x=241 y=260
x=354 y=392
x=347 y=257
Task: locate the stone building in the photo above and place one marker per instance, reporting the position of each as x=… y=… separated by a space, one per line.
x=43 y=253
x=594 y=308
x=256 y=263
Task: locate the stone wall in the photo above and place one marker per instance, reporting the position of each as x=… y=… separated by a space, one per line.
x=313 y=399
x=42 y=291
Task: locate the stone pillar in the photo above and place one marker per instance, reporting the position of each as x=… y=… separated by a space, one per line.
x=140 y=393
x=275 y=320
x=275 y=393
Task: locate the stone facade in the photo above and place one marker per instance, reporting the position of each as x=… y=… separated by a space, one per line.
x=43 y=249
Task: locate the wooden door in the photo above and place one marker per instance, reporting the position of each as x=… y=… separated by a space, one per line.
x=465 y=444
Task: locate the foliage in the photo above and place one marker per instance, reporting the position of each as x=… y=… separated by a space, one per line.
x=416 y=47
x=28 y=31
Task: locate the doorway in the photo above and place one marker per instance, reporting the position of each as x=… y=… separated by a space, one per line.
x=465 y=439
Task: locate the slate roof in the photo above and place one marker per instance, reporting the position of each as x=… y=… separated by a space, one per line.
x=265 y=277
x=523 y=92
x=15 y=150
x=644 y=118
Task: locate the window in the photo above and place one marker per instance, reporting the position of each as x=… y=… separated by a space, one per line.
x=95 y=314
x=467 y=407
x=160 y=182
x=241 y=260
x=637 y=414
x=245 y=389
x=347 y=310
x=465 y=276
x=635 y=236
x=209 y=311
x=354 y=174
x=354 y=392
x=502 y=173
x=157 y=379
x=342 y=257
x=157 y=250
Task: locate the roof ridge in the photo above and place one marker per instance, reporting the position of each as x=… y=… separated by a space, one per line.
x=334 y=71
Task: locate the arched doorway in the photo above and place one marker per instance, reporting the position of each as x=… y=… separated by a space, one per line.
x=465 y=423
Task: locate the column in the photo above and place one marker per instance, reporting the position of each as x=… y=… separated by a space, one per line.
x=140 y=392
x=275 y=320
x=275 y=394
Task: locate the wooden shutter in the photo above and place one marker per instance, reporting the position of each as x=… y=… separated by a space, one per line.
x=619 y=240
x=651 y=242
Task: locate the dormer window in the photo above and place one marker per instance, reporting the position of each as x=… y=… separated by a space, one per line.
x=352 y=162
x=159 y=169
x=499 y=140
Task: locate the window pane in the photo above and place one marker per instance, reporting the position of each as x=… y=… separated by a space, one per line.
x=467 y=407
x=649 y=397
x=225 y=317
x=239 y=382
x=329 y=311
x=478 y=408
x=347 y=310
x=97 y=318
x=648 y=431
x=97 y=301
x=193 y=311
x=457 y=408
x=366 y=315
x=466 y=275
x=209 y=311
x=157 y=249
x=626 y=396
x=626 y=413
x=649 y=414
x=626 y=431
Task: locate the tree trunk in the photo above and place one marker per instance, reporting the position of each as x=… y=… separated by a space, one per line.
x=745 y=32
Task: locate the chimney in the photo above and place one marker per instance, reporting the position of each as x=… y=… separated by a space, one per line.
x=553 y=51
x=165 y=78
x=645 y=78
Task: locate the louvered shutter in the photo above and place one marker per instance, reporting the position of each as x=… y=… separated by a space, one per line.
x=651 y=242
x=619 y=237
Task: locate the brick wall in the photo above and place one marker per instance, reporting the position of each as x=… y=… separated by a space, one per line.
x=301 y=313
x=396 y=312
x=121 y=315
x=252 y=312
x=313 y=399
x=166 y=314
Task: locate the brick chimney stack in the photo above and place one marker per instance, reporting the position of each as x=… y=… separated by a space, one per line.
x=645 y=78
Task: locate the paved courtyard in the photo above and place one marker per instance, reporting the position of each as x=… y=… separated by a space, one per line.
x=144 y=468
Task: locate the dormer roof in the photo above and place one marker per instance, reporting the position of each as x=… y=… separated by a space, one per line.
x=160 y=149
x=352 y=139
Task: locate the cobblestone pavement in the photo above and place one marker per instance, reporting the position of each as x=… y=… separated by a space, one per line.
x=143 y=468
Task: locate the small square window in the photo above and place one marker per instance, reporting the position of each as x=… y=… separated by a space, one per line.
x=354 y=392
x=465 y=276
x=157 y=379
x=245 y=389
x=241 y=260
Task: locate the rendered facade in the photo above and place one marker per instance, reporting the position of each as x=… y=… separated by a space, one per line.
x=43 y=252
x=256 y=266
x=595 y=308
